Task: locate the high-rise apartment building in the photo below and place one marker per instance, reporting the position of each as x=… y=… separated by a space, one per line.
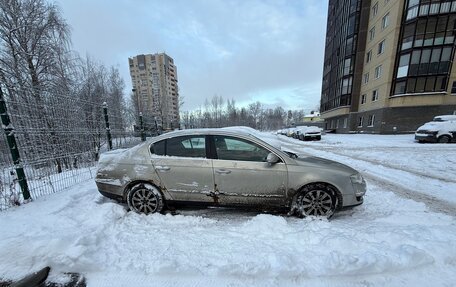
x=388 y=64
x=154 y=81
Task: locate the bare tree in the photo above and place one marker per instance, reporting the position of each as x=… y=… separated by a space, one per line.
x=34 y=40
x=216 y=109
x=232 y=113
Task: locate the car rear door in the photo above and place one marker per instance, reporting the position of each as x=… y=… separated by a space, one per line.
x=183 y=168
x=243 y=177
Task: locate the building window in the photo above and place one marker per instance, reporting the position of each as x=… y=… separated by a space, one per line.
x=424 y=10
x=368 y=56
x=371 y=34
x=366 y=78
x=378 y=71
x=349 y=48
x=363 y=99
x=385 y=21
x=381 y=47
x=413 y=3
x=375 y=95
x=347 y=85
x=347 y=66
x=375 y=10
x=402 y=70
x=412 y=13
x=370 y=122
x=345 y=123
x=400 y=87
x=445 y=7
x=360 y=122
x=434 y=9
x=453 y=88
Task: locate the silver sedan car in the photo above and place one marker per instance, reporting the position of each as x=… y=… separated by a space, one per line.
x=219 y=167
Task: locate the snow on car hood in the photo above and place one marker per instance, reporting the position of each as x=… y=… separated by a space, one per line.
x=310 y=129
x=324 y=163
x=436 y=126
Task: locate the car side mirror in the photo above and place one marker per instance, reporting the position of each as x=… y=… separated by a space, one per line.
x=272 y=158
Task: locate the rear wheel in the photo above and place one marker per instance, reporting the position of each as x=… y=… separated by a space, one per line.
x=444 y=139
x=145 y=198
x=315 y=200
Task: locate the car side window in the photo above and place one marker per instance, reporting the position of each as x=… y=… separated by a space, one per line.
x=231 y=148
x=187 y=146
x=158 y=148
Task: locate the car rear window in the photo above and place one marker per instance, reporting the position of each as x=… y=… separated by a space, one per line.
x=186 y=146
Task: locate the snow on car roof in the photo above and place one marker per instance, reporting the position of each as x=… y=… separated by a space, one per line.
x=237 y=130
x=445 y=118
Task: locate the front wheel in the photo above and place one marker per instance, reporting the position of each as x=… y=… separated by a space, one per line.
x=145 y=198
x=444 y=139
x=315 y=200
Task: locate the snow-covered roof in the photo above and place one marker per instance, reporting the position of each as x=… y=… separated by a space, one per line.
x=445 y=118
x=312 y=115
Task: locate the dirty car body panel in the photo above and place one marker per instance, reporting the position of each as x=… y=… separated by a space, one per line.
x=223 y=168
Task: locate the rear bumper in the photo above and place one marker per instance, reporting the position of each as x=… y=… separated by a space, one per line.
x=110 y=190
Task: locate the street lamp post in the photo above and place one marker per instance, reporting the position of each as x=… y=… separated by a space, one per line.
x=138 y=99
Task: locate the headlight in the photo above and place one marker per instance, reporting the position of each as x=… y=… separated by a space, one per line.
x=357 y=178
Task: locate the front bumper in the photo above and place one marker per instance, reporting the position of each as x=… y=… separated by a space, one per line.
x=357 y=197
x=316 y=137
x=425 y=137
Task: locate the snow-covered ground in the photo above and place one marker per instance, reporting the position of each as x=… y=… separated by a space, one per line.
x=427 y=171
x=403 y=235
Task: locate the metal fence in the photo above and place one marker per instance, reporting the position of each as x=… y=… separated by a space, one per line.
x=51 y=143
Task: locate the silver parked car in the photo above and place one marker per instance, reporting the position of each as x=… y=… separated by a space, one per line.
x=222 y=167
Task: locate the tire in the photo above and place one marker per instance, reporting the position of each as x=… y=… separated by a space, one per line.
x=444 y=139
x=145 y=198
x=315 y=200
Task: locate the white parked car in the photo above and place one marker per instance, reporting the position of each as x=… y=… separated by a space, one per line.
x=441 y=129
x=308 y=133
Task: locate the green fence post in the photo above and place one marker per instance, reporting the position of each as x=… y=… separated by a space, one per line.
x=141 y=127
x=11 y=139
x=108 y=130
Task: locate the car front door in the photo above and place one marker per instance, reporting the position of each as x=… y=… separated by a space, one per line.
x=183 y=168
x=243 y=177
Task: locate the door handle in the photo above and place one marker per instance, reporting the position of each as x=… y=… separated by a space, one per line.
x=162 y=168
x=222 y=171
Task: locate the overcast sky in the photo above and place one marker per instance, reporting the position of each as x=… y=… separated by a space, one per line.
x=246 y=50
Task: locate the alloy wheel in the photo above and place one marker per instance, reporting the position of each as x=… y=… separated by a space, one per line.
x=144 y=201
x=317 y=203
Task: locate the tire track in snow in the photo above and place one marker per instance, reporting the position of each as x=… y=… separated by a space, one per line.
x=377 y=162
x=389 y=179
x=431 y=202
x=373 y=161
